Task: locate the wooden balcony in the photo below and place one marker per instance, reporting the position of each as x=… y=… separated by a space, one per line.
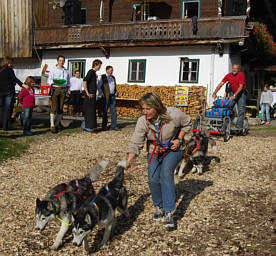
x=161 y=32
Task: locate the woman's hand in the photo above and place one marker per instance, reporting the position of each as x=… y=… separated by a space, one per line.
x=130 y=159
x=175 y=144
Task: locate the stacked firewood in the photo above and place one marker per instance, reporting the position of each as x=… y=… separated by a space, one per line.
x=127 y=104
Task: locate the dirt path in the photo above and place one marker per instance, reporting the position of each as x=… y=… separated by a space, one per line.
x=226 y=211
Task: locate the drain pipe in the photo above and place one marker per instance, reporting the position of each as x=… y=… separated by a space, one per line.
x=211 y=84
x=102 y=11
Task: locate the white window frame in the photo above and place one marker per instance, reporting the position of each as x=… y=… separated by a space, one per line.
x=137 y=70
x=190 y=61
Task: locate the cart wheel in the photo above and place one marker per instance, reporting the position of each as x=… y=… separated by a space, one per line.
x=226 y=129
x=245 y=127
x=197 y=123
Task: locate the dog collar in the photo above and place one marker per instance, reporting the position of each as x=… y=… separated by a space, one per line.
x=61 y=220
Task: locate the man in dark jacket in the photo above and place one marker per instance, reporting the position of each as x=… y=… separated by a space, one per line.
x=89 y=105
x=107 y=83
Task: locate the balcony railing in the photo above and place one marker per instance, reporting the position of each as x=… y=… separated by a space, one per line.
x=169 y=31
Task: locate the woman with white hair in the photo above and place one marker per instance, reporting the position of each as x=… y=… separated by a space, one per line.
x=164 y=130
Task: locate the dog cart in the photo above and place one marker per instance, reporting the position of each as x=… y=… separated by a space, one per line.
x=217 y=120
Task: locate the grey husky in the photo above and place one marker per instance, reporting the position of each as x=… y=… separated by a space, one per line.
x=195 y=151
x=65 y=199
x=100 y=209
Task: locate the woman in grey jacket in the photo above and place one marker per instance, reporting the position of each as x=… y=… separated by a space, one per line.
x=164 y=129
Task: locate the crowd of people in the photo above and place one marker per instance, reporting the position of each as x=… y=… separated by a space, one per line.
x=95 y=89
x=85 y=95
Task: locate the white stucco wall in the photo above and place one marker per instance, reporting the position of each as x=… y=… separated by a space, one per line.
x=162 y=63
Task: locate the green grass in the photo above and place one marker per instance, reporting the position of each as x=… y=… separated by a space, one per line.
x=11 y=148
x=269 y=128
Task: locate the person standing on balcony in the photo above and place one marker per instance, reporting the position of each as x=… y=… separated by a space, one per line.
x=107 y=83
x=238 y=93
x=59 y=90
x=89 y=106
x=76 y=87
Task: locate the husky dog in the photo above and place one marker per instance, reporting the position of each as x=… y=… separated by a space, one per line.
x=101 y=209
x=65 y=199
x=196 y=151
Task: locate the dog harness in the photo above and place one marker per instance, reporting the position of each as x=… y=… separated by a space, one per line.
x=65 y=190
x=165 y=147
x=197 y=144
x=95 y=206
x=61 y=220
x=117 y=189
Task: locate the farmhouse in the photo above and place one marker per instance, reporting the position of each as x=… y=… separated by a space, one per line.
x=149 y=43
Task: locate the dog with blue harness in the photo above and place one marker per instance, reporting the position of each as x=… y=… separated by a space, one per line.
x=100 y=209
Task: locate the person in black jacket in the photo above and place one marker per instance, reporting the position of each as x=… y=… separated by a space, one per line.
x=89 y=105
x=8 y=81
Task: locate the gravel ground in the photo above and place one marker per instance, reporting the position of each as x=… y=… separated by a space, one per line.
x=226 y=211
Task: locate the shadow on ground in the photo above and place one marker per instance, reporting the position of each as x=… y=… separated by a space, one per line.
x=188 y=190
x=123 y=223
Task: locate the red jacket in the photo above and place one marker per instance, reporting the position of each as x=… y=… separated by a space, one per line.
x=26 y=98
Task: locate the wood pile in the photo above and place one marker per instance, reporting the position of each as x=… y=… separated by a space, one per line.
x=127 y=105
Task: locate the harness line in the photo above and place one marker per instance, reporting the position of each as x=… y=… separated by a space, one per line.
x=61 y=220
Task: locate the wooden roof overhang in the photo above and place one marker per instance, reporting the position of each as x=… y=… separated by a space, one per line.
x=153 y=33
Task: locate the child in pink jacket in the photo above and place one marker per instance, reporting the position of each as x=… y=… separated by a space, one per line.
x=27 y=99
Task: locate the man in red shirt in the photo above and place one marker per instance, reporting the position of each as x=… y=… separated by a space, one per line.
x=236 y=80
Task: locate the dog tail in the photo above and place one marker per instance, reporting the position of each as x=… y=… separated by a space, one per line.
x=94 y=172
x=213 y=144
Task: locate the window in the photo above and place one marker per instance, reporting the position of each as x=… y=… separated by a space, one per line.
x=137 y=71
x=83 y=15
x=74 y=65
x=191 y=8
x=189 y=70
x=140 y=12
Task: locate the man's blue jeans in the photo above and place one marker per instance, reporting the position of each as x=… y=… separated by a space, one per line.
x=240 y=101
x=265 y=110
x=111 y=102
x=5 y=109
x=161 y=179
x=27 y=119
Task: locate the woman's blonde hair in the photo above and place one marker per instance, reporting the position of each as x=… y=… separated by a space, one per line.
x=152 y=100
x=5 y=62
x=28 y=78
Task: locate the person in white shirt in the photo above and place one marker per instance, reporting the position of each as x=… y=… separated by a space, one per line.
x=75 y=90
x=107 y=83
x=59 y=90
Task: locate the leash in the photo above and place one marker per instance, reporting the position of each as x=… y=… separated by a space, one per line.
x=93 y=181
x=193 y=130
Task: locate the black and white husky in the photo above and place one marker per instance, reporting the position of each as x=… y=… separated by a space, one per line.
x=100 y=210
x=195 y=151
x=65 y=199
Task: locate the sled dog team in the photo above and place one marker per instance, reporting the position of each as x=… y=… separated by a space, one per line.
x=76 y=205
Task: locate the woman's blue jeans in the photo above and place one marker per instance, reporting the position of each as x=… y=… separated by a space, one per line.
x=161 y=179
x=5 y=109
x=27 y=119
x=265 y=110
